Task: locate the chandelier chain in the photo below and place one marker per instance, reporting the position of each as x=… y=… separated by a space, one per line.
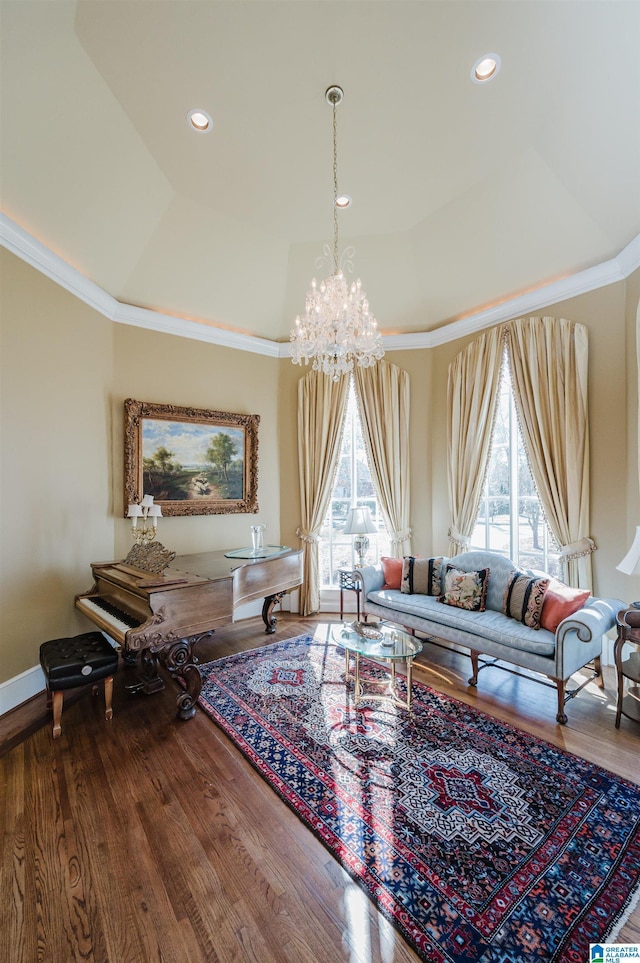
x=335 y=187
x=337 y=329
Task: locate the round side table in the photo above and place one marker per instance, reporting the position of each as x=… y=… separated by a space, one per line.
x=629 y=668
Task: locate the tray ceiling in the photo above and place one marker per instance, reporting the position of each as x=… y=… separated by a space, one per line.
x=463 y=195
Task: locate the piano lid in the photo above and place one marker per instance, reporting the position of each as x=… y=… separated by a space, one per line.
x=216 y=565
x=269 y=551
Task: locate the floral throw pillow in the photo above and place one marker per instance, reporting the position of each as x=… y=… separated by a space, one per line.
x=465 y=590
x=524 y=598
x=422 y=576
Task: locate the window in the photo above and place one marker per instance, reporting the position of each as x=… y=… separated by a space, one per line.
x=510 y=519
x=353 y=486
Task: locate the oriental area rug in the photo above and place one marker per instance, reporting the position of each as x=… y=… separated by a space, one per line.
x=478 y=841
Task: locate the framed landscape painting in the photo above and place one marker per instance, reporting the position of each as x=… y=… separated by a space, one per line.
x=193 y=461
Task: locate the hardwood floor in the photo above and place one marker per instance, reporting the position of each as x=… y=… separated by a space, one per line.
x=148 y=839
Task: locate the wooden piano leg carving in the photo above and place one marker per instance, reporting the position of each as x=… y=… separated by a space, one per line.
x=149 y=680
x=179 y=659
x=269 y=619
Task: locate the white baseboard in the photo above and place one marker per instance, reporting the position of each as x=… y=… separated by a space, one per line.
x=22 y=687
x=29 y=683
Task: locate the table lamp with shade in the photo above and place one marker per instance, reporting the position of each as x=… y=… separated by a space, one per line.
x=360 y=524
x=630 y=564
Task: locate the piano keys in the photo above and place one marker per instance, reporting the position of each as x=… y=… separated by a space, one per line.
x=118 y=621
x=161 y=618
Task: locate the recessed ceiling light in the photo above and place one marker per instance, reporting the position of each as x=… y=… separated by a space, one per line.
x=342 y=201
x=200 y=120
x=486 y=68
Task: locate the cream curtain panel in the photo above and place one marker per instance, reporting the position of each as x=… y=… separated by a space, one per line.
x=549 y=361
x=321 y=410
x=382 y=392
x=472 y=392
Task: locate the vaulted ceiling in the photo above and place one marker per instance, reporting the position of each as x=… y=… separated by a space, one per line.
x=463 y=194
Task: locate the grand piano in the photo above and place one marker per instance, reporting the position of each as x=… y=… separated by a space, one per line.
x=160 y=618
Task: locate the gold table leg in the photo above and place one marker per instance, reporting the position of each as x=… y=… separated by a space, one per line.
x=392 y=682
x=409 y=670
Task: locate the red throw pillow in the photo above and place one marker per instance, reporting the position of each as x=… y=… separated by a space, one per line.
x=560 y=600
x=392 y=570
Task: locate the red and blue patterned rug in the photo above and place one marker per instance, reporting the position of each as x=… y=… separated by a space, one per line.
x=478 y=841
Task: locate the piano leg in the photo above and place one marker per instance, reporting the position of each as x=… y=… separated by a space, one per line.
x=269 y=619
x=179 y=659
x=149 y=680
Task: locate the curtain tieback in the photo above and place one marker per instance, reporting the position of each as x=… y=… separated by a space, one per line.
x=401 y=536
x=459 y=539
x=305 y=537
x=584 y=546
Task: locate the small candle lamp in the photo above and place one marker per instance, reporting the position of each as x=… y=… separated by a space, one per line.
x=149 y=513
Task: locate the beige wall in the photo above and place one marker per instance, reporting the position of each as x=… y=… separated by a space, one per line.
x=164 y=369
x=287 y=442
x=633 y=466
x=55 y=423
x=66 y=371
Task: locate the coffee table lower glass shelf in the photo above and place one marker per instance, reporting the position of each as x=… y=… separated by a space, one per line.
x=393 y=645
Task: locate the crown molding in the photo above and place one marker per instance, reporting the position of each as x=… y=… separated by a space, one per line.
x=629 y=257
x=43 y=259
x=196 y=330
x=38 y=255
x=609 y=272
x=531 y=301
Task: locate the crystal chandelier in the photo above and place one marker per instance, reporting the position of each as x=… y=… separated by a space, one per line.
x=337 y=328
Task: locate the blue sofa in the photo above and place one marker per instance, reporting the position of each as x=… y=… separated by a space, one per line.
x=576 y=642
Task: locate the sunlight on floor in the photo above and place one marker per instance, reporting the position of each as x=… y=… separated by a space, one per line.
x=357 y=910
x=431 y=672
x=601 y=694
x=357 y=916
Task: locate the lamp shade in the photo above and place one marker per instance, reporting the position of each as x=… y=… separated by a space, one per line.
x=630 y=564
x=359 y=522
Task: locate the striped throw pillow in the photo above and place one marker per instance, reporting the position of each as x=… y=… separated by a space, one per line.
x=422 y=576
x=524 y=597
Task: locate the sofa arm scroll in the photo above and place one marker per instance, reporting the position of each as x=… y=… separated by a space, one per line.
x=371 y=579
x=592 y=621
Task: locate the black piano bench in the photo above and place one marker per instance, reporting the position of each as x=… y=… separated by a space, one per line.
x=77 y=661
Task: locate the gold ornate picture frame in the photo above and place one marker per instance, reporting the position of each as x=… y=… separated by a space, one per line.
x=193 y=461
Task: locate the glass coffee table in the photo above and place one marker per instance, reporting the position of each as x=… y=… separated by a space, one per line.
x=380 y=642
